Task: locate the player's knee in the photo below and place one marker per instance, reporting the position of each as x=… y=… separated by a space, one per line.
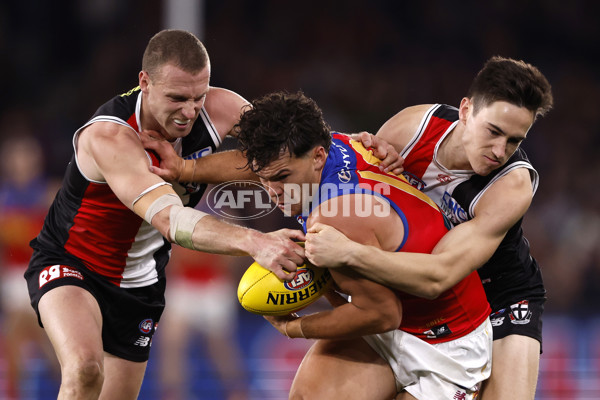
x=86 y=374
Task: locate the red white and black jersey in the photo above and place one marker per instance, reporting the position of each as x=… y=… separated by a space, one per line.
x=511 y=274
x=88 y=225
x=349 y=169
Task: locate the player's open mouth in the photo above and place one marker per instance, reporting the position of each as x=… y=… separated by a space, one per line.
x=182 y=123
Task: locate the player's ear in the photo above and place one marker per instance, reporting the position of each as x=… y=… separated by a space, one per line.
x=144 y=80
x=466 y=107
x=319 y=157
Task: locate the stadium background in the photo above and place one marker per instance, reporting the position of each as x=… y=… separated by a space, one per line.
x=362 y=62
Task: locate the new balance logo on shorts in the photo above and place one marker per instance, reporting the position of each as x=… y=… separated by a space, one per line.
x=519 y=314
x=143 y=341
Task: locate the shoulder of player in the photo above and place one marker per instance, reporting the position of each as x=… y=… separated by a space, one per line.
x=516 y=180
x=103 y=133
x=105 y=142
x=224 y=108
x=508 y=196
x=399 y=129
x=103 y=145
x=220 y=102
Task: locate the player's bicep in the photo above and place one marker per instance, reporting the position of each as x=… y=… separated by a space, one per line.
x=505 y=202
x=373 y=305
x=363 y=218
x=473 y=242
x=366 y=294
x=120 y=159
x=399 y=129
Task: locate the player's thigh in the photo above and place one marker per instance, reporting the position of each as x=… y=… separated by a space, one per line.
x=73 y=322
x=343 y=369
x=515 y=359
x=122 y=378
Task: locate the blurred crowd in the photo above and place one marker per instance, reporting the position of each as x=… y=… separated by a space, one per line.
x=361 y=61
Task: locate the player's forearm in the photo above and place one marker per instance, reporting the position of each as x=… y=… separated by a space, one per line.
x=343 y=322
x=215 y=236
x=221 y=167
x=422 y=275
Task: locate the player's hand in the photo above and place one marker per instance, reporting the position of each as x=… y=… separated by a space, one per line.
x=171 y=165
x=280 y=322
x=278 y=252
x=390 y=159
x=325 y=246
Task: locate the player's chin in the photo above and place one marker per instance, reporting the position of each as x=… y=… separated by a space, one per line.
x=179 y=130
x=484 y=170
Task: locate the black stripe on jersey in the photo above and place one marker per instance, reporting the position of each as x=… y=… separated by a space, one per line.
x=449 y=113
x=61 y=216
x=209 y=127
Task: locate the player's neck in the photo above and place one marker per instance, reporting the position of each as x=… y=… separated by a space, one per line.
x=451 y=153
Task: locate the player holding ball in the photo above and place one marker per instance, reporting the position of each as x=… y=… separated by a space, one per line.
x=383 y=343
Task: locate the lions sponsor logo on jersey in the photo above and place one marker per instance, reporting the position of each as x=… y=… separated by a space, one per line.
x=344 y=176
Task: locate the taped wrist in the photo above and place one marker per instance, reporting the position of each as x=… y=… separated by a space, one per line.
x=182 y=222
x=187 y=171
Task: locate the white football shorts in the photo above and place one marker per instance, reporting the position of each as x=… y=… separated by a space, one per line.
x=449 y=370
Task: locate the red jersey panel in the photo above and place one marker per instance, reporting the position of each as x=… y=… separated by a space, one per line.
x=455 y=313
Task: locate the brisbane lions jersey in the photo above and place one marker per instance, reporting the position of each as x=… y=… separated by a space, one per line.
x=511 y=274
x=351 y=169
x=88 y=226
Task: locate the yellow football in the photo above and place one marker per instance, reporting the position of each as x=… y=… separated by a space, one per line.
x=261 y=292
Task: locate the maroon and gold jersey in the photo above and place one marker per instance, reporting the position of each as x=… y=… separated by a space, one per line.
x=351 y=169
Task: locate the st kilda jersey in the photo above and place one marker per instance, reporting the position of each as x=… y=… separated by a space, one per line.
x=88 y=226
x=351 y=169
x=511 y=274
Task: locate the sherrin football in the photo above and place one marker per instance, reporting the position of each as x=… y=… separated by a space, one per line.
x=261 y=292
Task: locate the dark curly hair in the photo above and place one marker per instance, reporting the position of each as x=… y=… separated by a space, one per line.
x=281 y=122
x=513 y=81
